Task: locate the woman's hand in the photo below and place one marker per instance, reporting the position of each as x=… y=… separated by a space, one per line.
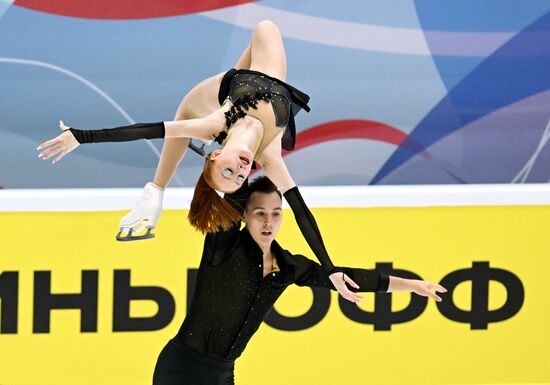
x=339 y=281
x=62 y=145
x=426 y=289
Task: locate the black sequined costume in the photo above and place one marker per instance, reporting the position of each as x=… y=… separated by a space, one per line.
x=244 y=88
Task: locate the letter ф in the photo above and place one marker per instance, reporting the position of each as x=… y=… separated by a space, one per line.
x=382 y=318
x=479 y=316
x=314 y=315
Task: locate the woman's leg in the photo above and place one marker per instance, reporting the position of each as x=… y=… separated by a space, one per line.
x=172 y=153
x=200 y=102
x=244 y=61
x=267 y=52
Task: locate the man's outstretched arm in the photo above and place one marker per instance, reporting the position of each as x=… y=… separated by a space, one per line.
x=309 y=273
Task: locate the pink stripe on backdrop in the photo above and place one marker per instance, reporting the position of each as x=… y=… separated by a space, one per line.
x=125 y=9
x=349 y=129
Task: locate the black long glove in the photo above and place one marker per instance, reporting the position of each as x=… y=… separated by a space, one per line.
x=310 y=231
x=120 y=134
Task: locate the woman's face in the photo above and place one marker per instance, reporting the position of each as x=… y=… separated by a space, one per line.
x=230 y=168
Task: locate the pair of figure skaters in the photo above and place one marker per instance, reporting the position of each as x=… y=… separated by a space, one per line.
x=250 y=111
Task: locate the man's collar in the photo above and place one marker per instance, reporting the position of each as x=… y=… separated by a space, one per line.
x=250 y=243
x=252 y=246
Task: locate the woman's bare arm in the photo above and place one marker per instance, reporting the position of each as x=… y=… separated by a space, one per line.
x=274 y=166
x=276 y=170
x=201 y=128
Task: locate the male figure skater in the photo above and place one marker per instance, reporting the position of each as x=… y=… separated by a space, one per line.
x=241 y=275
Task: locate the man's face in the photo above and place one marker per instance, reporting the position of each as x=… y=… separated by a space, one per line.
x=263 y=217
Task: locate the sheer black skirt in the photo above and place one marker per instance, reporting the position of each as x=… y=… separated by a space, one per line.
x=246 y=87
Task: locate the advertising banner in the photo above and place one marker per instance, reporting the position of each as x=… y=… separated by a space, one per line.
x=77 y=307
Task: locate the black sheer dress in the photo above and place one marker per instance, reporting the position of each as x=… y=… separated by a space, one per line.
x=244 y=88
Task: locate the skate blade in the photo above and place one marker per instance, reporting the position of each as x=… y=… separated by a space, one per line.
x=125 y=235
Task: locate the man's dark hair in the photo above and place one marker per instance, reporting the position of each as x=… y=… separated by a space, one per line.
x=264 y=185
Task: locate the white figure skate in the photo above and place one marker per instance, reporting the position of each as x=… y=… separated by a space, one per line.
x=143 y=217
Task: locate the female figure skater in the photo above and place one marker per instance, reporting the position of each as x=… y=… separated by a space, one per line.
x=241 y=275
x=250 y=109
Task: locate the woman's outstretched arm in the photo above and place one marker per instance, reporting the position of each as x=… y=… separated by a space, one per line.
x=276 y=170
x=202 y=128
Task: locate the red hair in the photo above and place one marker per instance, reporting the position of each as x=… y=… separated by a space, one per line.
x=209 y=212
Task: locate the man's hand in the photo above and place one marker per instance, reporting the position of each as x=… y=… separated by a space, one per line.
x=339 y=281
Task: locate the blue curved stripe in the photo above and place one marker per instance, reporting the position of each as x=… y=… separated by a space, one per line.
x=357 y=11
x=517 y=70
x=479 y=16
x=436 y=15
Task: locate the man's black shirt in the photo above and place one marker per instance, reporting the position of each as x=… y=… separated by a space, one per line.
x=232 y=297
